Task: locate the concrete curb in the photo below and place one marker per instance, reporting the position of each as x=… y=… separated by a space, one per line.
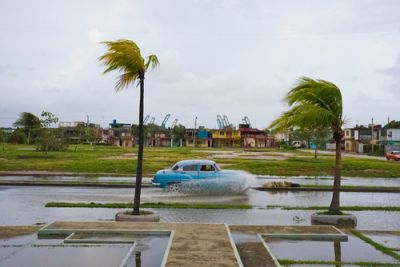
x=167 y=249
x=346 y=220
x=121 y=216
x=235 y=251
x=277 y=264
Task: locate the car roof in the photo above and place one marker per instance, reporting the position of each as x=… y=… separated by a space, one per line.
x=194 y=161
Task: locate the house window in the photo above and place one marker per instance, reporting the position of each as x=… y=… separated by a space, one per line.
x=390 y=134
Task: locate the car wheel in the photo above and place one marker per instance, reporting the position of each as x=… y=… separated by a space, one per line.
x=387 y=158
x=174 y=187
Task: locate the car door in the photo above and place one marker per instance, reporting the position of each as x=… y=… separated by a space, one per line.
x=190 y=170
x=206 y=171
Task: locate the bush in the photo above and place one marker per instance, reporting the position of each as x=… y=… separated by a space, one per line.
x=51 y=140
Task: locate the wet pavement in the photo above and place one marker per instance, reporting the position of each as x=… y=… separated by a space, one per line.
x=29 y=251
x=25 y=206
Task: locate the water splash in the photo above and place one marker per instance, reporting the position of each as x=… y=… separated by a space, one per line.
x=231 y=182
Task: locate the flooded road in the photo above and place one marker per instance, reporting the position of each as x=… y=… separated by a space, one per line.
x=25 y=206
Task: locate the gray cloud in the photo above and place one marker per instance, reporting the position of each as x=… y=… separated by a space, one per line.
x=217 y=57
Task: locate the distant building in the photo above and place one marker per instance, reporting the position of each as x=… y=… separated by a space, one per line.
x=79 y=132
x=119 y=134
x=359 y=139
x=390 y=139
x=198 y=137
x=158 y=138
x=227 y=137
x=252 y=137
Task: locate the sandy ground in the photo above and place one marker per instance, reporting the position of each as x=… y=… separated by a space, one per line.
x=13 y=231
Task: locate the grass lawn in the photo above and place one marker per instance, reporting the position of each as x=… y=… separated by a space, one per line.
x=116 y=161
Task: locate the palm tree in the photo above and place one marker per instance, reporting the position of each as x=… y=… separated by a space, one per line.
x=124 y=56
x=316 y=103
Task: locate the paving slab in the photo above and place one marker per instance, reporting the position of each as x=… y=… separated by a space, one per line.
x=196 y=244
x=192 y=244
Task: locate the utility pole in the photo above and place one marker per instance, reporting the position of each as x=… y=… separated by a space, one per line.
x=372 y=135
x=195 y=132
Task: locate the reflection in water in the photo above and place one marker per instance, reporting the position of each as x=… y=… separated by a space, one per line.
x=138 y=259
x=338 y=253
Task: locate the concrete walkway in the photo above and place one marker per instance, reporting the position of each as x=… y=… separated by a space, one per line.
x=193 y=244
x=196 y=244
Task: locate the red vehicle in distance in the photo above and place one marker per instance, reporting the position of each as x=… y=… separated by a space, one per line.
x=395 y=155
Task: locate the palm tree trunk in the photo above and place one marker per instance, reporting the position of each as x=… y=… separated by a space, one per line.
x=335 y=203
x=138 y=186
x=315 y=151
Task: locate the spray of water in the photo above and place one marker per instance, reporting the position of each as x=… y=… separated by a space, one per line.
x=231 y=182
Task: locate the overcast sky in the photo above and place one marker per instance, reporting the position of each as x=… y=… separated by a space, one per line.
x=237 y=58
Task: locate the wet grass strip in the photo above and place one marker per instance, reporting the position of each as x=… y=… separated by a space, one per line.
x=286 y=262
x=385 y=250
x=348 y=208
x=389 y=188
x=158 y=205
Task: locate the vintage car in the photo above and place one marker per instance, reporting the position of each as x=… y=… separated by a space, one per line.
x=188 y=170
x=395 y=155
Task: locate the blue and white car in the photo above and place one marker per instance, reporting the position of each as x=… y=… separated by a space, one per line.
x=188 y=171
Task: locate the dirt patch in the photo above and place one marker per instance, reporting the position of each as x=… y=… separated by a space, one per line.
x=124 y=156
x=255 y=229
x=13 y=231
x=254 y=254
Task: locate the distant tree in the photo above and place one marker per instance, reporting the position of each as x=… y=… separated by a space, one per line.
x=393 y=125
x=18 y=136
x=29 y=123
x=124 y=56
x=48 y=119
x=317 y=135
x=178 y=133
x=316 y=103
x=50 y=139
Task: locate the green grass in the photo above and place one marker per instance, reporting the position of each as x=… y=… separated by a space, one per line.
x=158 y=205
x=353 y=187
x=343 y=208
x=93 y=160
x=286 y=262
x=385 y=250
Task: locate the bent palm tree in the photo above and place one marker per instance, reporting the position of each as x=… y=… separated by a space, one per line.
x=316 y=103
x=124 y=56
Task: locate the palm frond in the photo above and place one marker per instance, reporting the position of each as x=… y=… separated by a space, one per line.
x=124 y=56
x=314 y=103
x=152 y=62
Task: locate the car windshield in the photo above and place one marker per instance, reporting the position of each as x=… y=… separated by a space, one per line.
x=396 y=152
x=217 y=167
x=175 y=167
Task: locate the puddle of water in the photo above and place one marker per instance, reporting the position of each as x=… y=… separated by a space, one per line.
x=252 y=252
x=30 y=251
x=72 y=178
x=25 y=206
x=354 y=250
x=386 y=239
x=67 y=256
x=329 y=180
